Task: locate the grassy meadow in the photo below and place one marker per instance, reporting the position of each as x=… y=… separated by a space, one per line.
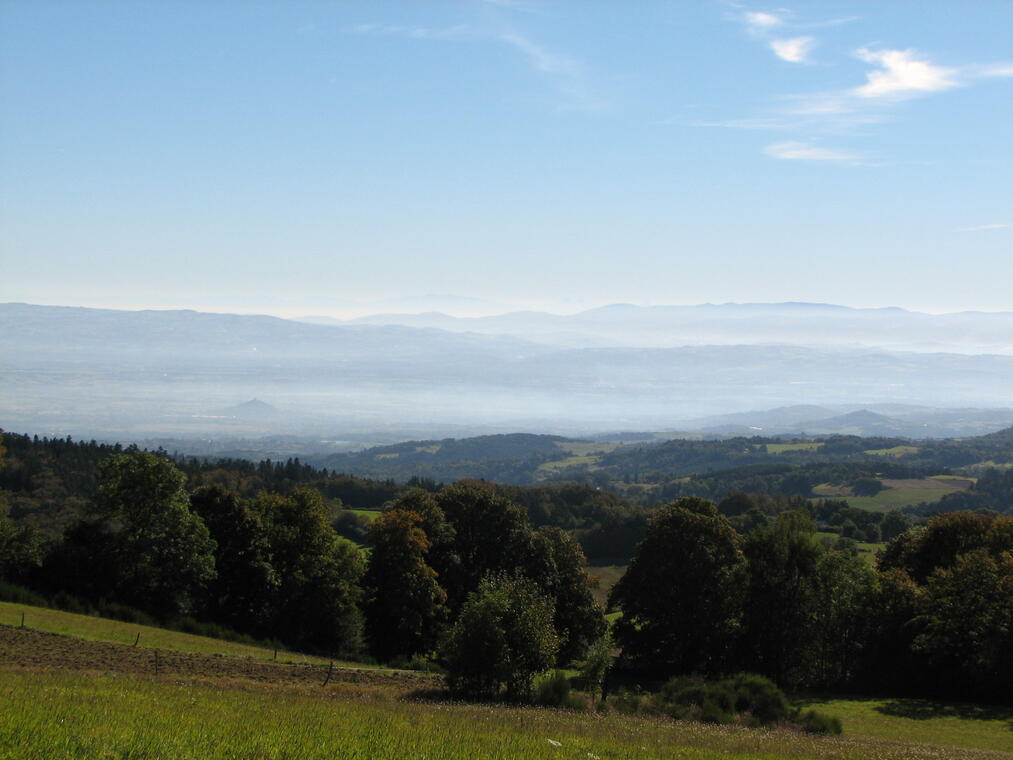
x=116 y=632
x=894 y=451
x=53 y=715
x=899 y=493
x=782 y=448
x=921 y=720
x=79 y=705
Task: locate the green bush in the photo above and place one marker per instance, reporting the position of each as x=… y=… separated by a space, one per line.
x=553 y=690
x=760 y=697
x=20 y=595
x=711 y=712
x=631 y=702
x=747 y=697
x=818 y=723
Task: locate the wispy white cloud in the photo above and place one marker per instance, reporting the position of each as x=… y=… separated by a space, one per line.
x=892 y=75
x=993 y=70
x=829 y=22
x=515 y=5
x=793 y=49
x=801 y=151
x=457 y=32
x=542 y=59
x=761 y=20
x=903 y=73
x=983 y=227
x=566 y=74
x=758 y=123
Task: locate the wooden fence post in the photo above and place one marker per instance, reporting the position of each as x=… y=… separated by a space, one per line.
x=330 y=669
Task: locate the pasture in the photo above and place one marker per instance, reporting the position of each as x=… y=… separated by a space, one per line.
x=92 y=628
x=784 y=448
x=72 y=715
x=894 y=451
x=898 y=492
x=71 y=698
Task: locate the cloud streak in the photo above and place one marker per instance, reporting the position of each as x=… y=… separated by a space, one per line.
x=801 y=151
x=565 y=73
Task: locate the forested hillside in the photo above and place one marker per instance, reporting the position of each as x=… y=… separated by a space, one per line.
x=490 y=581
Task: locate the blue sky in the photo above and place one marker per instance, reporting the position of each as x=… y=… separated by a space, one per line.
x=320 y=157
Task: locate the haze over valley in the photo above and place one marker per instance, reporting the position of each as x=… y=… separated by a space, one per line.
x=140 y=375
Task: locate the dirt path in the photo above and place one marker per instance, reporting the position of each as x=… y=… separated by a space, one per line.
x=25 y=648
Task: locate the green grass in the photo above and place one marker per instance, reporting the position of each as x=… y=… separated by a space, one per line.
x=103 y=629
x=571 y=461
x=607 y=576
x=898 y=493
x=781 y=448
x=893 y=451
x=922 y=720
x=369 y=514
x=51 y=716
x=895 y=498
x=583 y=448
x=581 y=454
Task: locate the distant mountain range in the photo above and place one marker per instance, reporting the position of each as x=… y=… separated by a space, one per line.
x=895 y=420
x=819 y=325
x=177 y=373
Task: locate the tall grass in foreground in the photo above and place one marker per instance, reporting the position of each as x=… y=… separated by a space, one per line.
x=57 y=715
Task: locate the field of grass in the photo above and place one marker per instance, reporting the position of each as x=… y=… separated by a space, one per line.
x=579 y=453
x=69 y=698
x=920 y=720
x=607 y=576
x=781 y=448
x=51 y=715
x=369 y=514
x=893 y=451
x=570 y=461
x=583 y=448
x=102 y=629
x=899 y=493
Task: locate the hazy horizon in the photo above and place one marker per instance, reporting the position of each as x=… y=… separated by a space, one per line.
x=458 y=307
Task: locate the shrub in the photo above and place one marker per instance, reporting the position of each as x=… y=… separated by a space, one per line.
x=747 y=695
x=20 y=595
x=553 y=690
x=760 y=697
x=819 y=723
x=631 y=702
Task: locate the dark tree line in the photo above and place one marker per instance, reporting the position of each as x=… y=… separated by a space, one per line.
x=50 y=482
x=272 y=565
x=936 y=617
